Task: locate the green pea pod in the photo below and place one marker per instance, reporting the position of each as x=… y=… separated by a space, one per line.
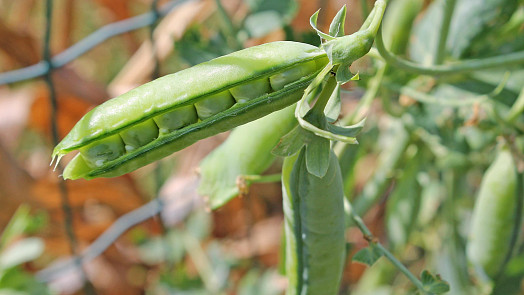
x=494 y=216
x=247 y=151
x=173 y=112
x=314 y=226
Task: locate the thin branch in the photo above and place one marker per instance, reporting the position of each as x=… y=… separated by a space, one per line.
x=372 y=239
x=507 y=60
x=449 y=6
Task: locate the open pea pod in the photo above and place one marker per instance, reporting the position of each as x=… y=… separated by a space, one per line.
x=173 y=112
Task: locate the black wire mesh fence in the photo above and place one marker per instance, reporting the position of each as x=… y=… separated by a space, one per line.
x=45 y=69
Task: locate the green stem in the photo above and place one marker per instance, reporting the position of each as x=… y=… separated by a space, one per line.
x=366 y=100
x=449 y=6
x=202 y=263
x=517 y=108
x=325 y=95
x=506 y=60
x=365 y=230
x=364 y=8
x=389 y=160
x=250 y=179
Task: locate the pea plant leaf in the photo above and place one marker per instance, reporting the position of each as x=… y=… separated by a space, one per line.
x=434 y=283
x=368 y=255
x=313 y=22
x=317 y=156
x=472 y=19
x=333 y=106
x=344 y=75
x=336 y=29
x=292 y=142
x=331 y=132
x=347 y=131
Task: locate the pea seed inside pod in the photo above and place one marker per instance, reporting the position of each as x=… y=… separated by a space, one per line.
x=176 y=119
x=250 y=90
x=139 y=135
x=214 y=104
x=106 y=149
x=278 y=81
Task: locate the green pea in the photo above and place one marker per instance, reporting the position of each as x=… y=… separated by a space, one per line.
x=139 y=134
x=250 y=90
x=214 y=104
x=280 y=80
x=107 y=149
x=176 y=119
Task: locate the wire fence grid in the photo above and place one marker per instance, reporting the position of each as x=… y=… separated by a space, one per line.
x=45 y=69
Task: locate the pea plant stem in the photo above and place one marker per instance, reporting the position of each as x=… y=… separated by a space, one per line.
x=453 y=243
x=506 y=60
x=364 y=8
x=372 y=239
x=517 y=108
x=367 y=99
x=324 y=96
x=250 y=179
x=389 y=160
x=449 y=6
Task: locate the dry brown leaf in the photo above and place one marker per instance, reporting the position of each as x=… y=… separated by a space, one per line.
x=70 y=110
x=19 y=45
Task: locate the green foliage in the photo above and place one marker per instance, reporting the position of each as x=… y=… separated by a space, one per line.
x=433 y=283
x=368 y=255
x=16 y=250
x=427 y=130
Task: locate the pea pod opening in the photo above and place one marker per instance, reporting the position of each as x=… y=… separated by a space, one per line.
x=215 y=90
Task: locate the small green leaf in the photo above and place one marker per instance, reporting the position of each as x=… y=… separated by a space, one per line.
x=333 y=107
x=356 y=77
x=434 y=283
x=313 y=23
x=317 y=156
x=336 y=29
x=346 y=131
x=368 y=255
x=344 y=75
x=291 y=143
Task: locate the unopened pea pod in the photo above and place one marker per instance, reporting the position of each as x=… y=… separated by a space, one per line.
x=247 y=151
x=187 y=106
x=494 y=216
x=314 y=225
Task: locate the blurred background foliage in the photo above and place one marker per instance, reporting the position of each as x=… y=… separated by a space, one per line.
x=414 y=176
